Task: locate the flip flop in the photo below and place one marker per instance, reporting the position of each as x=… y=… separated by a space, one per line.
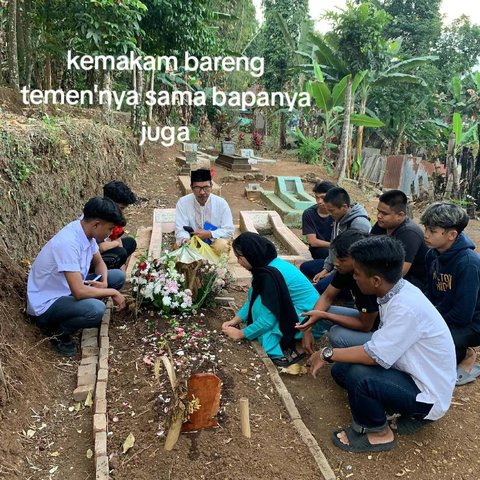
x=359 y=443
x=291 y=357
x=464 y=377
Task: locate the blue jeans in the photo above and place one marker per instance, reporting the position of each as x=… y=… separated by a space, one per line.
x=374 y=389
x=342 y=337
x=67 y=315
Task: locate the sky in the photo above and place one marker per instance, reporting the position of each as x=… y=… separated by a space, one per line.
x=450 y=8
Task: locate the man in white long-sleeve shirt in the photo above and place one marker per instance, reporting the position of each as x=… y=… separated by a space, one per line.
x=208 y=215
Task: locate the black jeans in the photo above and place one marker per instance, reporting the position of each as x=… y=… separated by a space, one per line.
x=464 y=337
x=116 y=257
x=373 y=389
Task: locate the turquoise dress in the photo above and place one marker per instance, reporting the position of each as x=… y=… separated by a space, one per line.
x=265 y=327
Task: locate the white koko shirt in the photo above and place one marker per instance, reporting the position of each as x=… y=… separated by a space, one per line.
x=414 y=338
x=216 y=211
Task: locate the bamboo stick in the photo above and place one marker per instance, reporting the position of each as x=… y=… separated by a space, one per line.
x=245 y=417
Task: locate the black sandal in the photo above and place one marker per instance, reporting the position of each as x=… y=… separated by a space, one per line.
x=291 y=356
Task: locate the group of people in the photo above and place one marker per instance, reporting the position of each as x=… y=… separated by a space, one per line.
x=410 y=334
x=85 y=262
x=400 y=340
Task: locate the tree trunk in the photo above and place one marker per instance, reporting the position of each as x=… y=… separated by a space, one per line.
x=27 y=32
x=106 y=107
x=12 y=44
x=150 y=88
x=48 y=73
x=359 y=146
x=398 y=141
x=283 y=131
x=343 y=157
x=450 y=166
x=21 y=41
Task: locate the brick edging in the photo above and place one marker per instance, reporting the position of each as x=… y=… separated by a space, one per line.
x=295 y=416
x=92 y=378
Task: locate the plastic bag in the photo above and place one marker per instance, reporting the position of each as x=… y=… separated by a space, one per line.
x=186 y=254
x=206 y=251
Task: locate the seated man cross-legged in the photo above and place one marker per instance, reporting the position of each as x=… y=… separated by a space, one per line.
x=346 y=326
x=202 y=213
x=454 y=281
x=61 y=296
x=407 y=367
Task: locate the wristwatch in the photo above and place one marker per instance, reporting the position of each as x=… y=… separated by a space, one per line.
x=326 y=354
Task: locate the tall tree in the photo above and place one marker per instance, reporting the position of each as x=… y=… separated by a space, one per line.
x=417 y=22
x=458 y=48
x=12 y=44
x=278 y=55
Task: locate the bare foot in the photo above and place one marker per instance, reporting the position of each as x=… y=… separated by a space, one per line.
x=375 y=438
x=469 y=361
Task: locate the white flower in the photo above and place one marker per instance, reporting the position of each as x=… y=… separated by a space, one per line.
x=166 y=301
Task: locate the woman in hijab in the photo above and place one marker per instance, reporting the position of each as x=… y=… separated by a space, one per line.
x=278 y=295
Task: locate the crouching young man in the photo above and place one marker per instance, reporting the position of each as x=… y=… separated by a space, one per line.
x=407 y=367
x=61 y=296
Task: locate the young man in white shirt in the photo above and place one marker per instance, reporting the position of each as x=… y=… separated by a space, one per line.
x=62 y=297
x=408 y=365
x=208 y=216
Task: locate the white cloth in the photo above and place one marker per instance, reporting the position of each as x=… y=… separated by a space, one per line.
x=68 y=251
x=414 y=338
x=216 y=211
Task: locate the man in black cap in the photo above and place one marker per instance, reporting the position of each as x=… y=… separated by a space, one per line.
x=208 y=215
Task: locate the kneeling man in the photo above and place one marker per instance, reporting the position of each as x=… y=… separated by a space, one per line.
x=407 y=367
x=62 y=297
x=204 y=214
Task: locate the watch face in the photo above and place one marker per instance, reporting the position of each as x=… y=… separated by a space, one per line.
x=327 y=353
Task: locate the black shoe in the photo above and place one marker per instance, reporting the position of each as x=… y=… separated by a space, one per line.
x=66 y=348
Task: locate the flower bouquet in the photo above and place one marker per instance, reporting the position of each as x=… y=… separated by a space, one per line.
x=173 y=286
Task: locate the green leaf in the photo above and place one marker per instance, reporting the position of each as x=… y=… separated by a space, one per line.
x=358 y=80
x=321 y=95
x=397 y=77
x=326 y=55
x=457 y=128
x=457 y=88
x=338 y=92
x=363 y=120
x=318 y=72
x=412 y=63
x=476 y=79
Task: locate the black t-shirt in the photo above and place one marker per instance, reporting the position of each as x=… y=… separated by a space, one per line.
x=364 y=303
x=411 y=236
x=312 y=222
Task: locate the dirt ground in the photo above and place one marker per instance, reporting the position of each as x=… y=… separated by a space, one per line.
x=49 y=437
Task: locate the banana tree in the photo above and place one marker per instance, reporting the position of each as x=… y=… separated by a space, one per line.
x=393 y=74
x=331 y=103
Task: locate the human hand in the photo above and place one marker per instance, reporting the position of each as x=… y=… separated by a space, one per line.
x=308 y=341
x=313 y=317
x=233 y=333
x=316 y=363
x=320 y=275
x=230 y=323
x=203 y=234
x=119 y=301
